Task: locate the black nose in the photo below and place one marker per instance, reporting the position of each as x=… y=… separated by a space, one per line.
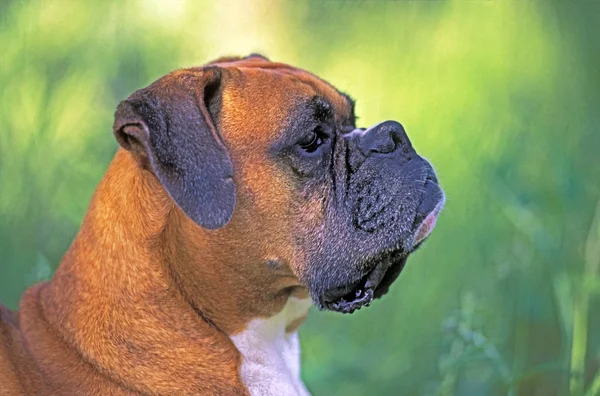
x=385 y=138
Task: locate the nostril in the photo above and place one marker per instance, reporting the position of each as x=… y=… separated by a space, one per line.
x=397 y=139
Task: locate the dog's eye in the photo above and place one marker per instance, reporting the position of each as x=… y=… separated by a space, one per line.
x=311 y=142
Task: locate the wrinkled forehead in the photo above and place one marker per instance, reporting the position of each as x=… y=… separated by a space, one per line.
x=260 y=96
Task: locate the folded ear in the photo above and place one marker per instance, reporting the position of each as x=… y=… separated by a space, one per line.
x=170 y=126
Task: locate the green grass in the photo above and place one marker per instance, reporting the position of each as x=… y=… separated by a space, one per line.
x=502 y=97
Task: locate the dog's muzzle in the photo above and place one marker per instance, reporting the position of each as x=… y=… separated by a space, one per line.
x=398 y=203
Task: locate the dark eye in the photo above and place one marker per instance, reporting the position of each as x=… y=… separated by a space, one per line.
x=311 y=142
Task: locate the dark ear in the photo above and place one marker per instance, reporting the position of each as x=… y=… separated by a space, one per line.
x=170 y=127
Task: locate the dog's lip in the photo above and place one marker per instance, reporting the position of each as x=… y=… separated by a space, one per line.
x=428 y=224
x=362 y=292
x=390 y=263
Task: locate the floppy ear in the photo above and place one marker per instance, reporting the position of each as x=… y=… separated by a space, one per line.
x=170 y=127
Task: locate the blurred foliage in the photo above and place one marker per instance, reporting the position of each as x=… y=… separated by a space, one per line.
x=502 y=97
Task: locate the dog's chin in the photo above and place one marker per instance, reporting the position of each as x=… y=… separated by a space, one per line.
x=374 y=284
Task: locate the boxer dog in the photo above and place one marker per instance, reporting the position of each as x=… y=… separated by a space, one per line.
x=242 y=193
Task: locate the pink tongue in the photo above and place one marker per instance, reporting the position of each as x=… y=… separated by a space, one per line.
x=426 y=227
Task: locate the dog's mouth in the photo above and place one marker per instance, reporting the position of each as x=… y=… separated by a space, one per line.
x=388 y=266
x=373 y=284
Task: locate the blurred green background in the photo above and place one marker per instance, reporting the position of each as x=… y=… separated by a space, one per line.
x=503 y=97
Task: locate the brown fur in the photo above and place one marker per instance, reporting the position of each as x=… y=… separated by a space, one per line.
x=145 y=300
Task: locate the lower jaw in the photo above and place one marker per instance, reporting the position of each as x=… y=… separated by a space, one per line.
x=343 y=306
x=374 y=285
x=390 y=276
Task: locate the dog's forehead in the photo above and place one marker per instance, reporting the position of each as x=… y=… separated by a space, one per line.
x=259 y=96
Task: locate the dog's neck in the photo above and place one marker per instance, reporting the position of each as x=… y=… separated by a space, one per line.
x=134 y=295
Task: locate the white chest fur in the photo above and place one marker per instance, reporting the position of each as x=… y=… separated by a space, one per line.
x=270 y=356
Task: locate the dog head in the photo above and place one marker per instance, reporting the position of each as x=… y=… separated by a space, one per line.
x=267 y=160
